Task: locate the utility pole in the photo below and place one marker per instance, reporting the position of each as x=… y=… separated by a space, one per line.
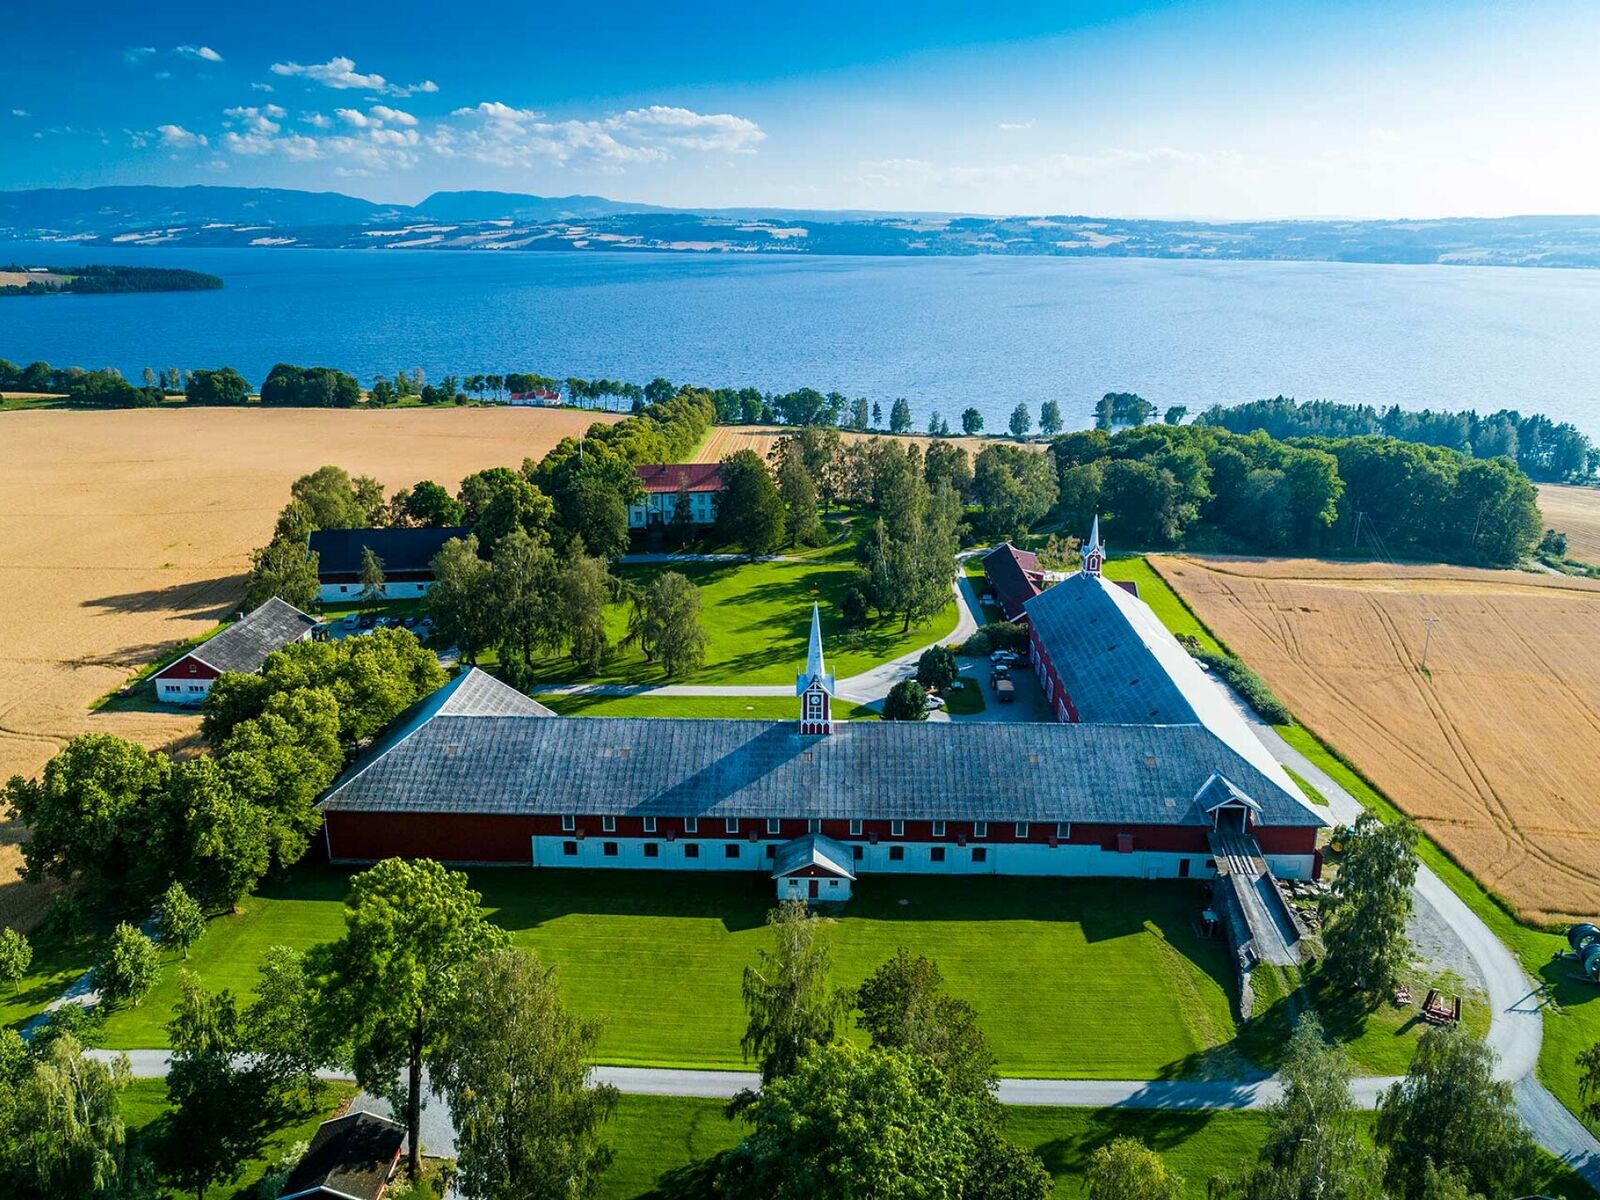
x=1427 y=638
x=1355 y=542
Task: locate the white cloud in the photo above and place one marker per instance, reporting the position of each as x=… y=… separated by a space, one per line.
x=263 y=121
x=497 y=133
x=1016 y=126
x=138 y=53
x=340 y=73
x=203 y=52
x=177 y=137
x=352 y=116
x=393 y=116
x=317 y=120
x=19 y=112
x=261 y=87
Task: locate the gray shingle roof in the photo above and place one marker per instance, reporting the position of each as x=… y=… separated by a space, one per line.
x=349 y=1156
x=811 y=850
x=441 y=762
x=244 y=645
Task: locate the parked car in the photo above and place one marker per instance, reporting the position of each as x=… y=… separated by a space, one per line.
x=935 y=703
x=1005 y=691
x=351 y=620
x=409 y=622
x=1000 y=672
x=367 y=621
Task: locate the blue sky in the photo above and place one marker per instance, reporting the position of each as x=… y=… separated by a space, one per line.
x=1226 y=110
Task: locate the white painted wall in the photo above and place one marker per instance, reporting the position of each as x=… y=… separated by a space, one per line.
x=349 y=593
x=1005 y=859
x=663 y=505
x=827 y=889
x=183 y=691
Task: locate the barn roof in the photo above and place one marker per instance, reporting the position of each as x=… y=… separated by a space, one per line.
x=244 y=645
x=349 y=1157
x=1008 y=569
x=447 y=761
x=1120 y=665
x=673 y=477
x=339 y=551
x=812 y=850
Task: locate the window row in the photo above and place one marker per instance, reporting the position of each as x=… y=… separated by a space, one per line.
x=937 y=854
x=774 y=826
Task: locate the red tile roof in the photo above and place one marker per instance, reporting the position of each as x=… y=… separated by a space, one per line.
x=673 y=477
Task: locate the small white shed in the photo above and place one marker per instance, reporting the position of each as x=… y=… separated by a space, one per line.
x=813 y=868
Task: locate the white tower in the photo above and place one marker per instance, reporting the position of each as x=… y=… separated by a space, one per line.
x=814 y=685
x=1094 y=553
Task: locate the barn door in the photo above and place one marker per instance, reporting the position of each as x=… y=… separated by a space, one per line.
x=815 y=889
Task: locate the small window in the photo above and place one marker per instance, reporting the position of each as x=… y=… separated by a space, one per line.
x=980 y=854
x=608 y=824
x=569 y=824
x=691 y=850
x=813 y=826
x=855 y=828
x=649 y=824
x=897 y=829
x=1063 y=830
x=856 y=852
x=936 y=854
x=610 y=849
x=651 y=850
x=1022 y=829
x=897 y=854
x=833 y=883
x=691 y=824
x=938 y=829
x=731 y=850
x=343 y=588
x=772 y=851
x=570 y=849
x=730 y=824
x=774 y=826
x=980 y=829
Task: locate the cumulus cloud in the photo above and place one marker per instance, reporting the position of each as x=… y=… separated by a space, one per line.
x=201 y=52
x=497 y=133
x=261 y=87
x=19 y=112
x=264 y=121
x=177 y=137
x=352 y=116
x=340 y=73
x=393 y=116
x=317 y=120
x=372 y=142
x=138 y=53
x=1016 y=126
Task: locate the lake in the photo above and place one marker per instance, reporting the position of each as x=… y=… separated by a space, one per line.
x=945 y=333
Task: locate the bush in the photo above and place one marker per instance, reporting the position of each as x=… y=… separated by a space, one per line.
x=997 y=635
x=937 y=667
x=1248 y=684
x=907 y=701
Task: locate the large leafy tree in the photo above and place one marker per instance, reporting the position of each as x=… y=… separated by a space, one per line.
x=213 y=840
x=902 y=1006
x=182 y=922
x=64 y=1136
x=279 y=1027
x=1013 y=487
x=666 y=624
x=88 y=811
x=515 y=1071
x=411 y=930
x=429 y=504
x=523 y=582
x=461 y=600
x=333 y=500
x=802 y=525
x=280 y=762
x=1450 y=1113
x=787 y=996
x=1367 y=906
x=847 y=1123
x=1316 y=1147
x=284 y=568
x=128 y=971
x=1127 y=1169
x=750 y=512
x=499 y=500
x=906 y=701
x=216 y=1098
x=584 y=587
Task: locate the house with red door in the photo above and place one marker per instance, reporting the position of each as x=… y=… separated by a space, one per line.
x=1147 y=765
x=242 y=647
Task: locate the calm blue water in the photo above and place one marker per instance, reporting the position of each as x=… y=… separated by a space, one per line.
x=945 y=333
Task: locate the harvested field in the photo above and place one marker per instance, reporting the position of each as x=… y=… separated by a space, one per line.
x=1575 y=511
x=724 y=440
x=124 y=533
x=1495 y=750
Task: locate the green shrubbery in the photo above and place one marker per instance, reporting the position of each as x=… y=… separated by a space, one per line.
x=1246 y=682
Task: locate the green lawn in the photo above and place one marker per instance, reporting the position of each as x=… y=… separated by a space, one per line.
x=755 y=708
x=966 y=701
x=757 y=617
x=660 y=1140
x=1049 y=964
x=144 y=1108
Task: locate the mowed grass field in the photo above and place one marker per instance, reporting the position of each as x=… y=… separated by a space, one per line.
x=1070 y=978
x=1494 y=749
x=1575 y=511
x=123 y=533
x=757 y=618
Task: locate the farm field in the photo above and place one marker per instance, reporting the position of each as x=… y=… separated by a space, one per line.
x=1575 y=511
x=1493 y=750
x=126 y=532
x=724 y=440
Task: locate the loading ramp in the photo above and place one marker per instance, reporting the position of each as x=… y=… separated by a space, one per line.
x=1249 y=898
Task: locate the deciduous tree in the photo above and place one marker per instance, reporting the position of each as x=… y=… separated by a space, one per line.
x=750 y=512
x=411 y=930
x=73 y=1140
x=280 y=762
x=216 y=1100
x=787 y=996
x=182 y=923
x=666 y=624
x=461 y=600
x=971 y=422
x=937 y=668
x=16 y=955
x=283 y=568
x=515 y=1072
x=902 y=1006
x=128 y=971
x=1020 y=422
x=1050 y=418
x=1126 y=1169
x=906 y=701
x=583 y=589
x=1014 y=489
x=1366 y=909
x=279 y=1028
x=900 y=416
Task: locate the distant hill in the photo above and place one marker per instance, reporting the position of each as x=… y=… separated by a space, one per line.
x=488 y=220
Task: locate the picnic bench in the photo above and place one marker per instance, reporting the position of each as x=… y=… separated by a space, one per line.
x=1437 y=1010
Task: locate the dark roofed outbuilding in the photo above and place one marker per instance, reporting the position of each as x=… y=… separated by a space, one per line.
x=406 y=554
x=240 y=648
x=1014 y=576
x=352 y=1157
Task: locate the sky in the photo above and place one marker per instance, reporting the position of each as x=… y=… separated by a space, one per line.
x=1221 y=110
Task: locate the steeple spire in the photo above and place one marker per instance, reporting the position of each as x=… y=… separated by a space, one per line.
x=814 y=685
x=1094 y=553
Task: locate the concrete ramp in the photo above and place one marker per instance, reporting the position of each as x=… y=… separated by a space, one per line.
x=1249 y=898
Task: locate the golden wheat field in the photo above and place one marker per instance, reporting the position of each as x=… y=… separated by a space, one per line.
x=724 y=440
x=1575 y=511
x=1495 y=749
x=123 y=533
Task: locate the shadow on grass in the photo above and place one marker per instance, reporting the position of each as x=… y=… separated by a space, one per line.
x=1159 y=1129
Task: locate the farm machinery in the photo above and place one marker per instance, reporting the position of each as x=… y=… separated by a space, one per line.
x=1584 y=942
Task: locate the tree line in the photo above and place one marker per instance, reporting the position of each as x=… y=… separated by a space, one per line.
x=1544 y=449
x=99 y=278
